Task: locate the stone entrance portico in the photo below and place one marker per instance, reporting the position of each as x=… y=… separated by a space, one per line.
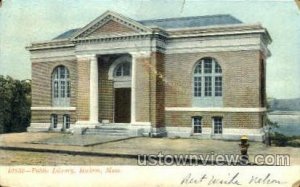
x=105 y=113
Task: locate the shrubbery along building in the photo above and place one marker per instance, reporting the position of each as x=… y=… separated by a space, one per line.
x=198 y=76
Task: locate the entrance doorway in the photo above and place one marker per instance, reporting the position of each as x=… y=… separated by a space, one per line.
x=122 y=105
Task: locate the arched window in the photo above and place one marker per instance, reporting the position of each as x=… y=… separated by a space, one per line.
x=123 y=70
x=207 y=83
x=61 y=87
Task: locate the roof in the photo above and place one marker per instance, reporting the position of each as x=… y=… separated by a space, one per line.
x=196 y=21
x=66 y=34
x=182 y=22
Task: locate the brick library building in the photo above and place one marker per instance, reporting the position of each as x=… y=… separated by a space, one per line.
x=202 y=77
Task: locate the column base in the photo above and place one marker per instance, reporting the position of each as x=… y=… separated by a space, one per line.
x=81 y=126
x=158 y=132
x=140 y=128
x=38 y=127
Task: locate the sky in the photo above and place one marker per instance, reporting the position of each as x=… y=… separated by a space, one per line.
x=23 y=22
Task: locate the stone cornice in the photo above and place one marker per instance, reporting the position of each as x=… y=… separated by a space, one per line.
x=161 y=35
x=55 y=44
x=54 y=59
x=217 y=27
x=52 y=44
x=113 y=37
x=220 y=30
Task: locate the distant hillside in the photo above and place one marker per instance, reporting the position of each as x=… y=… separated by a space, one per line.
x=285 y=104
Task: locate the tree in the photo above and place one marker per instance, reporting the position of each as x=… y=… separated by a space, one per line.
x=15 y=102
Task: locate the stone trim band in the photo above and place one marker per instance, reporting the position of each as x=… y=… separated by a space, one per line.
x=215 y=109
x=53 y=108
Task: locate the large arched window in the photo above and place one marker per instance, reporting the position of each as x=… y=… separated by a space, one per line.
x=122 y=70
x=61 y=88
x=208 y=82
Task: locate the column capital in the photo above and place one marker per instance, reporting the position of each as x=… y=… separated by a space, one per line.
x=140 y=54
x=87 y=56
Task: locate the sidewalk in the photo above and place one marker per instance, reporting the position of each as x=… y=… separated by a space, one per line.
x=130 y=148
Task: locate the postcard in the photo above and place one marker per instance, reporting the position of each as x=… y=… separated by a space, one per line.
x=150 y=93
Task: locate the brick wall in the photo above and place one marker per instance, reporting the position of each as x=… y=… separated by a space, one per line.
x=44 y=116
x=230 y=119
x=159 y=89
x=106 y=90
x=41 y=81
x=42 y=89
x=150 y=89
x=241 y=78
x=112 y=27
x=262 y=83
x=83 y=91
x=143 y=68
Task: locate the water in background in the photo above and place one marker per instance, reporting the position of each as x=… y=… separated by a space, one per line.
x=289 y=123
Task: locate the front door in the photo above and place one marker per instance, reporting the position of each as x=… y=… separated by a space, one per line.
x=122 y=105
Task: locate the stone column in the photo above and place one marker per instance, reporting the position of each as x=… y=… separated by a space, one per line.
x=133 y=83
x=94 y=90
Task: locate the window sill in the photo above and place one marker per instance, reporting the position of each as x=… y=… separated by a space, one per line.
x=53 y=108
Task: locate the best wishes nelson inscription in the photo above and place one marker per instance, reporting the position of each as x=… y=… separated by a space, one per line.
x=231 y=179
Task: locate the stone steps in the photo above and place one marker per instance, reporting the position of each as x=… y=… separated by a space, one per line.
x=37 y=129
x=108 y=130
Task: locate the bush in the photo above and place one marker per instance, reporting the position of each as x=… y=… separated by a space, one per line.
x=294 y=143
x=15 y=102
x=279 y=139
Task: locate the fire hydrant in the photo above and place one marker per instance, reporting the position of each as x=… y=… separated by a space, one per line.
x=244 y=145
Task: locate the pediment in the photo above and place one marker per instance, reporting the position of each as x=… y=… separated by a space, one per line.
x=111 y=23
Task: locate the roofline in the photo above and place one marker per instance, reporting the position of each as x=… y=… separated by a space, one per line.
x=172 y=33
x=51 y=44
x=232 y=27
x=268 y=36
x=242 y=25
x=176 y=18
x=106 y=13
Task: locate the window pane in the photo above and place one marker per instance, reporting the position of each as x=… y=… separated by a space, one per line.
x=198 y=69
x=56 y=72
x=54 y=120
x=218 y=125
x=197 y=86
x=123 y=69
x=207 y=75
x=62 y=72
x=61 y=86
x=208 y=86
x=67 y=121
x=218 y=86
x=55 y=89
x=218 y=68
x=68 y=89
x=67 y=73
x=119 y=71
x=126 y=69
x=207 y=66
x=62 y=89
x=197 y=124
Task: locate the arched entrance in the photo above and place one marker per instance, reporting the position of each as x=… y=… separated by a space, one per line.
x=120 y=73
